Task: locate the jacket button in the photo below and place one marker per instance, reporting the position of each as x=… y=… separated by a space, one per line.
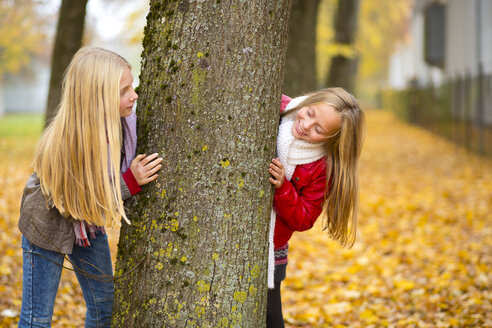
x=297 y=179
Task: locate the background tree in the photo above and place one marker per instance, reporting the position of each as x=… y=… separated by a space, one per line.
x=300 y=66
x=344 y=65
x=196 y=252
x=69 y=33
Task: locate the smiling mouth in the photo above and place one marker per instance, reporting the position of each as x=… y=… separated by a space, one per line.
x=299 y=129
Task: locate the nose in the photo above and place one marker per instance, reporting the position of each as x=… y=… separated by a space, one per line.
x=308 y=122
x=135 y=95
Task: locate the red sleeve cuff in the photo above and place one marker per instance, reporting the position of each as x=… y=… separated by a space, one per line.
x=131 y=182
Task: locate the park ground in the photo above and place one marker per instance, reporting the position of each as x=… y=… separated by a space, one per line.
x=423 y=255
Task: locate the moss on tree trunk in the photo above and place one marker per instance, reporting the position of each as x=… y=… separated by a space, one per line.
x=196 y=252
x=300 y=66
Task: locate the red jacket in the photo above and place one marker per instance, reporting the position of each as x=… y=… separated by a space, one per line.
x=298 y=201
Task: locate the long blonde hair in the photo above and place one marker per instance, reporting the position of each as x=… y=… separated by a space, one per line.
x=77 y=158
x=343 y=151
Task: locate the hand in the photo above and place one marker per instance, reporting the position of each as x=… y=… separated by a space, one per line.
x=278 y=173
x=144 y=168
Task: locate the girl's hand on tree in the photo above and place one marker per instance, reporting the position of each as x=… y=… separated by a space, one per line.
x=144 y=168
x=278 y=173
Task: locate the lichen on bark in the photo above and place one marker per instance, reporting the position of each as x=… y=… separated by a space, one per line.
x=196 y=252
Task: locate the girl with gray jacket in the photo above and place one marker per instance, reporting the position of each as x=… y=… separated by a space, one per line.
x=84 y=167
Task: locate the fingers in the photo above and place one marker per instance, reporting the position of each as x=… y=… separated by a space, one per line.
x=277 y=171
x=276 y=167
x=151 y=178
x=277 y=162
x=144 y=167
x=144 y=181
x=149 y=158
x=152 y=170
x=138 y=158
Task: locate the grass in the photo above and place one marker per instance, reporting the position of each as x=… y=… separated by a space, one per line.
x=21 y=125
x=18 y=135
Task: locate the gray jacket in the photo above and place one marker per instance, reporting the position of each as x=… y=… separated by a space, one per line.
x=47 y=228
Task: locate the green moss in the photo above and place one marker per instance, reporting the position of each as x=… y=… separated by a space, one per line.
x=198 y=79
x=156 y=6
x=181 y=235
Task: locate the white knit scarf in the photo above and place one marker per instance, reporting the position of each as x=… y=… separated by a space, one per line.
x=291 y=152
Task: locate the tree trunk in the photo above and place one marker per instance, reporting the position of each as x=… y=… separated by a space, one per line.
x=196 y=252
x=300 y=66
x=343 y=68
x=68 y=40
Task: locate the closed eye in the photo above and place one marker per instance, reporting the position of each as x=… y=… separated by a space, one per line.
x=124 y=90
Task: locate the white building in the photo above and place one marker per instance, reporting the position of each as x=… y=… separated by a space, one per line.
x=27 y=93
x=449 y=38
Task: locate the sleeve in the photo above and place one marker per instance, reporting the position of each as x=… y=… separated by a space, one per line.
x=129 y=185
x=300 y=209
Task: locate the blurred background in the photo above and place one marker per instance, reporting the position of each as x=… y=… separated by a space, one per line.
x=422 y=70
x=427 y=60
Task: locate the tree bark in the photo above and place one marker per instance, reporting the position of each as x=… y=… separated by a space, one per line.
x=300 y=67
x=210 y=89
x=343 y=68
x=69 y=33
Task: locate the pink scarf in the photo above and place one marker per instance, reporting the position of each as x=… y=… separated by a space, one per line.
x=129 y=127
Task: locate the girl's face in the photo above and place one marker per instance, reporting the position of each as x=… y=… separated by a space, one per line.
x=316 y=123
x=127 y=94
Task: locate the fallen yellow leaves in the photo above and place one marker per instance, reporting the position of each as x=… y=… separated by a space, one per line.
x=423 y=254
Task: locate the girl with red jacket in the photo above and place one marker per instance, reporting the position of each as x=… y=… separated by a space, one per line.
x=315 y=175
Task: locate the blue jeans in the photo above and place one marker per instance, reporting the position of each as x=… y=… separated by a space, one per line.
x=41 y=276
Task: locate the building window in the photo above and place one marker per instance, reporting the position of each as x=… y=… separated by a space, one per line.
x=434 y=34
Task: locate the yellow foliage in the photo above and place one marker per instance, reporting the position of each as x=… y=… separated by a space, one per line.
x=423 y=255
x=21 y=34
x=381 y=25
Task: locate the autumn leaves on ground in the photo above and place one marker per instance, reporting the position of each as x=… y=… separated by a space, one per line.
x=423 y=255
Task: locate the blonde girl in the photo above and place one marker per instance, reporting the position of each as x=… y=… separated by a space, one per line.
x=315 y=175
x=84 y=167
